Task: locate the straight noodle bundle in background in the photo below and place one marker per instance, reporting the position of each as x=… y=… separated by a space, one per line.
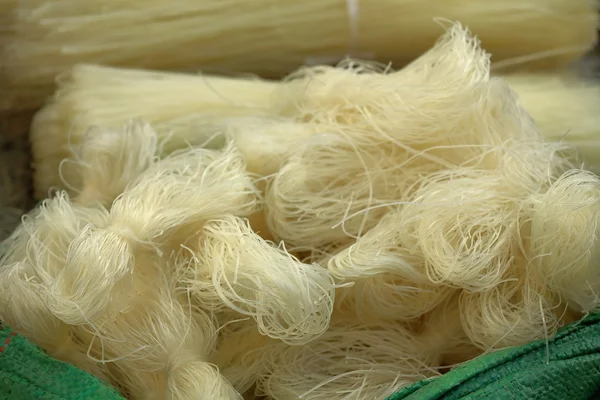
x=202 y=109
x=271 y=38
x=565 y=106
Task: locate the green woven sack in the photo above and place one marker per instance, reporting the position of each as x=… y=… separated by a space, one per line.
x=566 y=368
x=28 y=373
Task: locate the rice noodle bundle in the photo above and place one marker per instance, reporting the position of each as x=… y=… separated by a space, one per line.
x=184 y=189
x=564 y=239
x=510 y=314
x=123 y=348
x=387 y=131
x=349 y=361
x=235 y=267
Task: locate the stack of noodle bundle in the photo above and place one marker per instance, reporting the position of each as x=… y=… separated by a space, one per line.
x=419 y=219
x=201 y=110
x=271 y=38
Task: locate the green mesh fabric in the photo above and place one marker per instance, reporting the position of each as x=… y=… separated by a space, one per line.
x=27 y=372
x=565 y=368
